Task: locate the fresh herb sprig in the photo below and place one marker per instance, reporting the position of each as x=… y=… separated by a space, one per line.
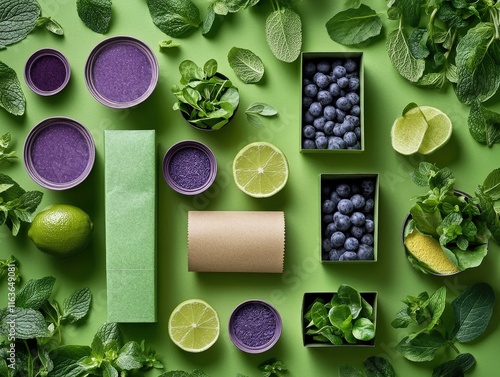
x=256 y=110
x=434 y=326
x=5 y=140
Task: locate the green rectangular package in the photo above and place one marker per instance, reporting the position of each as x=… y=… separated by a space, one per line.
x=130 y=214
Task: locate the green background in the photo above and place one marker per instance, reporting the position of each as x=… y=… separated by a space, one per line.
x=386 y=94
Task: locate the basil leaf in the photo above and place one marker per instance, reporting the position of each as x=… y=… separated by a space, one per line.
x=28 y=323
x=17 y=20
x=284 y=34
x=76 y=306
x=436 y=306
x=453 y=368
x=246 y=65
x=95 y=14
x=346 y=295
x=35 y=292
x=66 y=359
x=423 y=347
x=400 y=55
x=11 y=94
x=376 y=366
x=354 y=26
x=484 y=125
x=176 y=18
x=472 y=310
x=491 y=185
x=363 y=329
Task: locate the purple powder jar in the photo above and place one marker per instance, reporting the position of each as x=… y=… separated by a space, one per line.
x=189 y=167
x=121 y=72
x=255 y=326
x=59 y=153
x=47 y=72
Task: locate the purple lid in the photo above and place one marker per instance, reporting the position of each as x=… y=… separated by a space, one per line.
x=47 y=72
x=59 y=153
x=189 y=167
x=254 y=326
x=121 y=72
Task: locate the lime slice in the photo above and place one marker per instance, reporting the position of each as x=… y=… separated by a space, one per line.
x=408 y=132
x=194 y=325
x=439 y=131
x=260 y=169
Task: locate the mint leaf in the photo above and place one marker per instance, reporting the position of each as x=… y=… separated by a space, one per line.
x=4 y=145
x=484 y=125
x=35 y=293
x=51 y=25
x=376 y=366
x=400 y=55
x=108 y=334
x=65 y=360
x=27 y=323
x=457 y=367
x=76 y=306
x=95 y=14
x=176 y=18
x=17 y=19
x=130 y=357
x=491 y=185
x=354 y=25
x=246 y=65
x=472 y=310
x=11 y=94
x=349 y=371
x=284 y=34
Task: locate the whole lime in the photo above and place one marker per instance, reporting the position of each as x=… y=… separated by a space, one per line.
x=61 y=230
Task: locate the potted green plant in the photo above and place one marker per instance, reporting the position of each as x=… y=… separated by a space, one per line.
x=206 y=98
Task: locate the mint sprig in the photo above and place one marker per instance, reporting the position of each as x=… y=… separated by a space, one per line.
x=5 y=140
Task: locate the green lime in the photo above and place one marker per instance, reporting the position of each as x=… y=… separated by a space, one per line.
x=61 y=230
x=439 y=131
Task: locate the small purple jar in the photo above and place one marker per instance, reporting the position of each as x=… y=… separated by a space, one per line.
x=255 y=326
x=189 y=167
x=47 y=72
x=121 y=72
x=59 y=153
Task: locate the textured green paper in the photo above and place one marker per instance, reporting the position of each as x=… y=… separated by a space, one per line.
x=130 y=212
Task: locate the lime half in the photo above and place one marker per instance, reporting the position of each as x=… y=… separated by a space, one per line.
x=439 y=131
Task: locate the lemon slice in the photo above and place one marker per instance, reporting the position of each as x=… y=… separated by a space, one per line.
x=422 y=129
x=260 y=169
x=194 y=325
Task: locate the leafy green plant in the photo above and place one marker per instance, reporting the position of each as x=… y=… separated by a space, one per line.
x=257 y=110
x=434 y=326
x=176 y=18
x=346 y=318
x=438 y=44
x=95 y=14
x=246 y=65
x=5 y=140
x=10 y=268
x=206 y=99
x=11 y=94
x=374 y=366
x=16 y=204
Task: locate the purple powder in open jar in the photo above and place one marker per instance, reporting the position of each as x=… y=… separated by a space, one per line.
x=189 y=168
x=254 y=325
x=60 y=153
x=122 y=72
x=48 y=73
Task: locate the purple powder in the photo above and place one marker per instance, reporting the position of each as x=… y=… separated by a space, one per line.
x=254 y=325
x=189 y=168
x=122 y=72
x=48 y=73
x=60 y=153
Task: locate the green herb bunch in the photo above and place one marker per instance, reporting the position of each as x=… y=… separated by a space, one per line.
x=346 y=318
x=434 y=326
x=437 y=44
x=206 y=99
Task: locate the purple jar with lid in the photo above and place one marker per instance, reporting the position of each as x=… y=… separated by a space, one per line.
x=47 y=72
x=189 y=167
x=255 y=326
x=121 y=72
x=59 y=153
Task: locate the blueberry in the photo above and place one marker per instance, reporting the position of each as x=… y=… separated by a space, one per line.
x=339 y=71
x=343 y=83
x=340 y=115
x=353 y=98
x=367 y=239
x=367 y=187
x=357 y=145
x=357 y=231
x=337 y=239
x=324 y=97
x=321 y=142
x=350 y=65
x=321 y=80
x=345 y=206
x=352 y=120
x=369 y=205
x=326 y=245
x=315 y=109
x=335 y=197
x=329 y=207
x=310 y=90
x=369 y=226
x=335 y=142
x=343 y=189
x=365 y=252
x=328 y=128
x=319 y=123
x=355 y=110
x=342 y=222
x=358 y=201
x=328 y=218
x=308 y=117
x=308 y=144
x=334 y=89
x=306 y=102
x=329 y=112
x=310 y=69
x=348 y=255
x=329 y=230
x=338 y=130
x=337 y=214
x=324 y=67
x=350 y=138
x=353 y=84
x=347 y=126
x=357 y=131
x=351 y=244
x=357 y=218
x=343 y=104
x=308 y=131
x=334 y=254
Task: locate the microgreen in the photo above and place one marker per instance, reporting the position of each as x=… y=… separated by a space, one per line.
x=5 y=140
x=434 y=326
x=206 y=99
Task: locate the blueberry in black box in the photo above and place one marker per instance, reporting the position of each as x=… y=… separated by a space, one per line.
x=348 y=217
x=332 y=102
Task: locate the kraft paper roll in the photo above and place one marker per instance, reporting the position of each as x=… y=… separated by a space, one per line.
x=236 y=241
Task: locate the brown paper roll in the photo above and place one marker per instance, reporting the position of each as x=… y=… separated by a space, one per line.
x=236 y=241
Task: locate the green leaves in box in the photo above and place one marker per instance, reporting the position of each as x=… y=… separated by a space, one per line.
x=11 y=94
x=95 y=14
x=246 y=65
x=176 y=18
